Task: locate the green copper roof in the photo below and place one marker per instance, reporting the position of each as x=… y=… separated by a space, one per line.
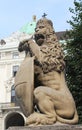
x=29 y=28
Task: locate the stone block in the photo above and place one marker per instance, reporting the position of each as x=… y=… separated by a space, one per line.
x=48 y=127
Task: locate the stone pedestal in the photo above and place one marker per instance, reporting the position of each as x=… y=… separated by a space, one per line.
x=49 y=127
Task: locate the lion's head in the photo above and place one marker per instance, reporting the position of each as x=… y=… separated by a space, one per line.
x=43 y=31
x=46 y=38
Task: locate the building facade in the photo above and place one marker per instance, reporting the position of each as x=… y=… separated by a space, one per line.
x=10 y=60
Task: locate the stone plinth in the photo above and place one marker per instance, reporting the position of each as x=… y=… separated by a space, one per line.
x=49 y=127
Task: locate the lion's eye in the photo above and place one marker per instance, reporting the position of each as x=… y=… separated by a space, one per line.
x=41 y=27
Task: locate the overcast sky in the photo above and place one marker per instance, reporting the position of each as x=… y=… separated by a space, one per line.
x=16 y=13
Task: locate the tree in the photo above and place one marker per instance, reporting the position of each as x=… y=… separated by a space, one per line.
x=74 y=56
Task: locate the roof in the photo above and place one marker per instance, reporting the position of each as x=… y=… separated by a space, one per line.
x=61 y=35
x=28 y=28
x=13 y=40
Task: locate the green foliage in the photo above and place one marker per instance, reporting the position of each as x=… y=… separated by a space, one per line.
x=74 y=56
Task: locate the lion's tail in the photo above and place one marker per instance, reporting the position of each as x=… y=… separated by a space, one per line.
x=67 y=121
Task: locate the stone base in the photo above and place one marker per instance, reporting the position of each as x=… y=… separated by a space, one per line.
x=48 y=127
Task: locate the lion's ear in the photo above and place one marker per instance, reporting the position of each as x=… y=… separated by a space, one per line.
x=50 y=22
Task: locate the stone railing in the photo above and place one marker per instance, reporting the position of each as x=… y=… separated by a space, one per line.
x=8 y=105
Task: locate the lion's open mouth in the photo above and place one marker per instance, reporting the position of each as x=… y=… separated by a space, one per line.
x=39 y=38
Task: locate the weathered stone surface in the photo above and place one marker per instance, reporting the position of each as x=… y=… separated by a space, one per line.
x=49 y=127
x=51 y=94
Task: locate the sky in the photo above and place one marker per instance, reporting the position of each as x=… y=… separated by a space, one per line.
x=16 y=13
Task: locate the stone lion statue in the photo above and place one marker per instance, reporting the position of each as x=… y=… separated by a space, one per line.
x=50 y=100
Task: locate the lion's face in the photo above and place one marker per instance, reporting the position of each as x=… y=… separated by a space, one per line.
x=43 y=31
x=40 y=34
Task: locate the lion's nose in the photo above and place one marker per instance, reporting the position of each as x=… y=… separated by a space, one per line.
x=37 y=29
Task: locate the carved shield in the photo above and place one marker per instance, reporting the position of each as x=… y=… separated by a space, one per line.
x=24 y=81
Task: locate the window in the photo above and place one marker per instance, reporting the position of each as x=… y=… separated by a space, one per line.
x=13 y=98
x=15 y=55
x=15 y=69
x=12 y=91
